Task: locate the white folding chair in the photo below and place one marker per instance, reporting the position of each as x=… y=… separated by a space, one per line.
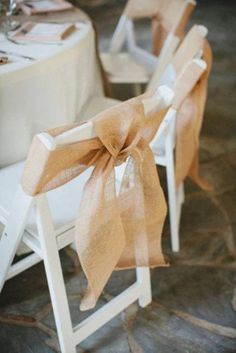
x=187 y=55
x=191 y=48
x=45 y=223
x=136 y=65
x=163 y=147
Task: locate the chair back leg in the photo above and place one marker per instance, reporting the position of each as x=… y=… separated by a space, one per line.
x=13 y=232
x=172 y=198
x=180 y=201
x=143 y=277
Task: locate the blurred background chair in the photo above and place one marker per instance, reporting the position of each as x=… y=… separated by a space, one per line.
x=183 y=60
x=133 y=64
x=163 y=145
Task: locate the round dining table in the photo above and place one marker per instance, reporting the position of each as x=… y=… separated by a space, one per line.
x=45 y=85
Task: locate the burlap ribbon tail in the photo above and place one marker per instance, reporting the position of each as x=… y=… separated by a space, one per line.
x=188 y=127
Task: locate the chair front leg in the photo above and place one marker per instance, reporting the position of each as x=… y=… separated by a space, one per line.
x=54 y=274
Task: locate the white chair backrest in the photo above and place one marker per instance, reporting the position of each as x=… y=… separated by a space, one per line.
x=161 y=99
x=173 y=12
x=183 y=85
x=190 y=48
x=187 y=79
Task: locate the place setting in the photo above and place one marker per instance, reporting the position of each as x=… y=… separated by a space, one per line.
x=29 y=24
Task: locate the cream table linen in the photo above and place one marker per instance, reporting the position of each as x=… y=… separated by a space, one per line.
x=49 y=91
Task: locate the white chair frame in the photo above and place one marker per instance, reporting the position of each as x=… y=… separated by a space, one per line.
x=124 y=32
x=165 y=75
x=164 y=156
x=167 y=136
x=163 y=146
x=47 y=244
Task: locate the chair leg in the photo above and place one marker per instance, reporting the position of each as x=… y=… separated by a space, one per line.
x=172 y=197
x=180 y=193
x=137 y=89
x=180 y=201
x=143 y=277
x=13 y=231
x=54 y=276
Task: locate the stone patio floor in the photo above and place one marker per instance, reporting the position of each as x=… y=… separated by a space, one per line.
x=194 y=300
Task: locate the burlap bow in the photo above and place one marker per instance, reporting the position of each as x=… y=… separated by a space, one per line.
x=112 y=231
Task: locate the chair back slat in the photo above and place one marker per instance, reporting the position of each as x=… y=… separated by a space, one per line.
x=60 y=155
x=190 y=47
x=187 y=79
x=159 y=100
x=183 y=85
x=181 y=24
x=141 y=9
x=167 y=17
x=167 y=10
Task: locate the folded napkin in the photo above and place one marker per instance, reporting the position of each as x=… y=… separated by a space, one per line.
x=112 y=232
x=44 y=6
x=32 y=31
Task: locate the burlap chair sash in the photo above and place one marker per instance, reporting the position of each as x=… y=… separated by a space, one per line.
x=188 y=126
x=112 y=231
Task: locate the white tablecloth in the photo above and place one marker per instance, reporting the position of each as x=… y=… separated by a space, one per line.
x=47 y=92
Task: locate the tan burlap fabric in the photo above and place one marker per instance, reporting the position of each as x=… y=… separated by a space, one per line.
x=192 y=45
x=189 y=123
x=164 y=15
x=112 y=232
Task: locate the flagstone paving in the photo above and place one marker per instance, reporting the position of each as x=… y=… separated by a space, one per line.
x=194 y=299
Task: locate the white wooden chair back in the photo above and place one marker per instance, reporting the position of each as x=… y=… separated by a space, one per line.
x=166 y=133
x=190 y=48
x=163 y=144
x=161 y=98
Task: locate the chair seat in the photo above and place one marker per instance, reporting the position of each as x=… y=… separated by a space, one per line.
x=63 y=202
x=63 y=212
x=122 y=68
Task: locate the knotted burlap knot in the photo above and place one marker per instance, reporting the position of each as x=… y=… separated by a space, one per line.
x=112 y=231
